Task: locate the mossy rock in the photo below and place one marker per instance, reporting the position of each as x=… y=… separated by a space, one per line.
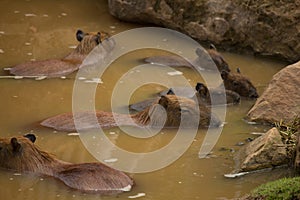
x=283 y=189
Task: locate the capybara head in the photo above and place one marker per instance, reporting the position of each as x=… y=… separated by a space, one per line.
x=88 y=41
x=20 y=154
x=219 y=96
x=202 y=90
x=239 y=83
x=218 y=58
x=179 y=111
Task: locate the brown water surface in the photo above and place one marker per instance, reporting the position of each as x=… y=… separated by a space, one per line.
x=33 y=30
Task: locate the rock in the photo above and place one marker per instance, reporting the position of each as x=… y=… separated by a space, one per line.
x=265 y=151
x=281 y=99
x=266 y=27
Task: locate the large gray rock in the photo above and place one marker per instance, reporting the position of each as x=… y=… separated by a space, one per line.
x=266 y=27
x=265 y=151
x=281 y=99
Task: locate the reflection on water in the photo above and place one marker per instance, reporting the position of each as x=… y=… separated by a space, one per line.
x=32 y=30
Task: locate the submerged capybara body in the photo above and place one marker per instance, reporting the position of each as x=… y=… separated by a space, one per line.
x=202 y=94
x=204 y=58
x=176 y=109
x=239 y=84
x=61 y=67
x=20 y=154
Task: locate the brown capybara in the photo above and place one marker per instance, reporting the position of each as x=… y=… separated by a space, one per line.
x=61 y=67
x=20 y=154
x=219 y=97
x=175 y=108
x=239 y=84
x=218 y=59
x=202 y=94
x=203 y=60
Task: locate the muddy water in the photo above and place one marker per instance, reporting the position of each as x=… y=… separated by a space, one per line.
x=32 y=30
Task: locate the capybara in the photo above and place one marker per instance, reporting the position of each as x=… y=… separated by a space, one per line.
x=175 y=107
x=202 y=94
x=220 y=97
x=62 y=67
x=20 y=154
x=218 y=59
x=239 y=84
x=203 y=60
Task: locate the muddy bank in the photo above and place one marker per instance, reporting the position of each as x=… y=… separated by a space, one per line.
x=268 y=27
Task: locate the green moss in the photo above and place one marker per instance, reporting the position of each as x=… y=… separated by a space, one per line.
x=283 y=189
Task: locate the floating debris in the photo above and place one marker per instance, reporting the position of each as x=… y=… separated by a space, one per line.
x=40 y=78
x=45 y=15
x=236 y=175
x=94 y=80
x=1 y=51
x=63 y=77
x=29 y=54
x=16 y=11
x=81 y=78
x=126 y=189
x=27 y=43
x=30 y=15
x=249 y=122
x=112 y=27
x=111 y=160
x=21 y=77
x=137 y=195
x=240 y=144
x=256 y=133
x=18 y=77
x=64 y=14
x=175 y=73
x=73 y=134
x=7 y=69
x=112 y=133
x=72 y=47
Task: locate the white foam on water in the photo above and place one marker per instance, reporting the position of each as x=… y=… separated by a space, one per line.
x=137 y=195
x=175 y=73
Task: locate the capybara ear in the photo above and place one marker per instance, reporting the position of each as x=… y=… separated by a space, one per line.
x=15 y=144
x=79 y=35
x=224 y=74
x=198 y=86
x=238 y=70
x=201 y=89
x=170 y=92
x=164 y=101
x=211 y=46
x=98 y=38
x=31 y=137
